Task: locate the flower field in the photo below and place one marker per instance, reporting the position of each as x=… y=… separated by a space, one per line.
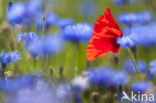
x=77 y=51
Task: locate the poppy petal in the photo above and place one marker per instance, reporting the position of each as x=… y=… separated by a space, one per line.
x=104 y=38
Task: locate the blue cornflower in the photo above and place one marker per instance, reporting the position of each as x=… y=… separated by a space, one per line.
x=33 y=8
x=132 y=36
x=147 y=16
x=134 y=1
x=23 y=12
x=10 y=4
x=45 y=46
x=129 y=66
x=80 y=83
x=7 y=58
x=32 y=88
x=141 y=86
x=101 y=77
x=148 y=37
x=153 y=63
x=77 y=32
x=50 y=19
x=28 y=89
x=64 y=22
x=87 y=8
x=152 y=70
x=136 y=17
x=39 y=23
x=119 y=2
x=16 y=13
x=12 y=84
x=27 y=37
x=63 y=92
x=121 y=78
x=125 y=42
x=78 y=98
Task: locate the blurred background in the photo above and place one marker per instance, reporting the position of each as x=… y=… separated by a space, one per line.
x=74 y=19
x=80 y=11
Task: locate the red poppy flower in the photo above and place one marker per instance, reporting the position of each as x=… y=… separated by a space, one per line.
x=104 y=38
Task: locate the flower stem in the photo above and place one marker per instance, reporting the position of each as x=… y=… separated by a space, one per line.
x=151 y=5
x=134 y=62
x=35 y=62
x=13 y=44
x=76 y=59
x=2 y=70
x=44 y=20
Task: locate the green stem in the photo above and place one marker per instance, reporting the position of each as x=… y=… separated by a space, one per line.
x=76 y=61
x=44 y=63
x=1 y=97
x=35 y=62
x=2 y=71
x=13 y=45
x=44 y=20
x=151 y=5
x=134 y=62
x=51 y=72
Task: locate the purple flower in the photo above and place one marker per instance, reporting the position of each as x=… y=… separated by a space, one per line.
x=125 y=42
x=141 y=86
x=39 y=23
x=64 y=22
x=34 y=89
x=10 y=4
x=122 y=2
x=7 y=58
x=12 y=84
x=27 y=37
x=152 y=70
x=63 y=92
x=129 y=66
x=23 y=12
x=77 y=32
x=80 y=83
x=16 y=13
x=87 y=8
x=50 y=19
x=119 y=2
x=101 y=77
x=121 y=78
x=135 y=18
x=46 y=45
x=132 y=36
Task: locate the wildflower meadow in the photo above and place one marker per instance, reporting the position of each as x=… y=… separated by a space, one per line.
x=77 y=51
